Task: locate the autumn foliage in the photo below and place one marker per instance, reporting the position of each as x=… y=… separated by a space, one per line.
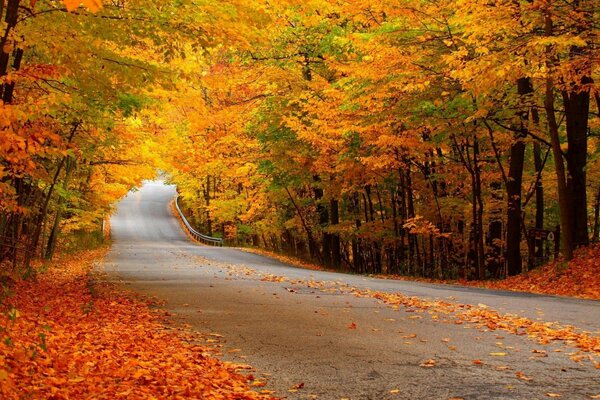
x=579 y=277
x=68 y=335
x=442 y=139
x=432 y=139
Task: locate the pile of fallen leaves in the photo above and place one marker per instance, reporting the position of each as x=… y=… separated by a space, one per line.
x=579 y=278
x=66 y=335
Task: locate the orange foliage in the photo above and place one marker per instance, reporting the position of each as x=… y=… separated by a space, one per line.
x=579 y=278
x=67 y=336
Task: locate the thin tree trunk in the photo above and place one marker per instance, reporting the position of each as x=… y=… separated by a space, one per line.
x=44 y=210
x=312 y=244
x=52 y=239
x=559 y=165
x=336 y=251
x=597 y=217
x=479 y=221
x=539 y=196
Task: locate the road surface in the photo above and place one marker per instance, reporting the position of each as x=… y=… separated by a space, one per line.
x=333 y=344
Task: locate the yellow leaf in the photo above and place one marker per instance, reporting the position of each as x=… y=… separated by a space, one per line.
x=498 y=354
x=428 y=363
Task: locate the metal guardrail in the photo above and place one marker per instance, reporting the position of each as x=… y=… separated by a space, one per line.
x=197 y=235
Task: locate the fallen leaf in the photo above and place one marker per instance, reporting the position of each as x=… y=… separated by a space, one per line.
x=522 y=376
x=540 y=353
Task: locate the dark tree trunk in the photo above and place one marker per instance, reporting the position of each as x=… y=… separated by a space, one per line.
x=539 y=197
x=52 y=239
x=495 y=260
x=9 y=87
x=11 y=18
x=513 y=220
x=565 y=207
x=209 y=227
x=336 y=250
x=478 y=197
x=576 y=100
x=514 y=187
x=597 y=216
x=413 y=253
x=357 y=258
x=323 y=222
x=577 y=106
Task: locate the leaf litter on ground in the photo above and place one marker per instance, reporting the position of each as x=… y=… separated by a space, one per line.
x=78 y=337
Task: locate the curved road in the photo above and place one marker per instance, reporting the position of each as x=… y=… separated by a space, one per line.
x=335 y=345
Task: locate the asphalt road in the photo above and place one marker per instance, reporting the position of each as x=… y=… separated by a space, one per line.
x=335 y=345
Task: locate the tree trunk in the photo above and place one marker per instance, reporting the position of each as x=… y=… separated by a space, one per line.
x=577 y=106
x=597 y=216
x=514 y=183
x=539 y=197
x=323 y=222
x=559 y=165
x=477 y=197
x=576 y=100
x=494 y=258
x=51 y=247
x=312 y=244
x=336 y=251
x=11 y=19
x=413 y=253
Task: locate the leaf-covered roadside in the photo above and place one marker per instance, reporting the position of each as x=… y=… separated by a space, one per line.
x=66 y=336
x=579 y=277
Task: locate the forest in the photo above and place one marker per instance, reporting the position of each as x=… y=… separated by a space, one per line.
x=439 y=139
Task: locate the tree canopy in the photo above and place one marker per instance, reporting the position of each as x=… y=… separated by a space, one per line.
x=439 y=139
